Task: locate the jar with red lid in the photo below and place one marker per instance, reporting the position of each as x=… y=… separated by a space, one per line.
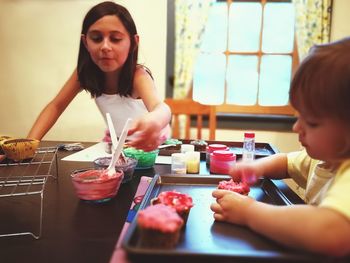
x=214 y=147
x=221 y=161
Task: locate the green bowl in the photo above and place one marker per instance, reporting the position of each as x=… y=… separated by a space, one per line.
x=145 y=160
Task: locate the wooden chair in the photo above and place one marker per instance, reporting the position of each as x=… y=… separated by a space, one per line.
x=189 y=108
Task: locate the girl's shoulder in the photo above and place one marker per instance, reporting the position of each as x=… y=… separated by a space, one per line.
x=143 y=70
x=143 y=82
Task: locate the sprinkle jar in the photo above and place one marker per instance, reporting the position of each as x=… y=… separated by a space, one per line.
x=221 y=161
x=214 y=147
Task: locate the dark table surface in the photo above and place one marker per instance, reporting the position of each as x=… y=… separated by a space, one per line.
x=73 y=230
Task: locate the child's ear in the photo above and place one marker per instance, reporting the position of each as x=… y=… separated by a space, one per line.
x=83 y=39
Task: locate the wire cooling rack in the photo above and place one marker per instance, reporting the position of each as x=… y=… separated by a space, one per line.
x=27 y=178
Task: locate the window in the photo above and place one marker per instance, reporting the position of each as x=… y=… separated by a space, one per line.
x=247 y=57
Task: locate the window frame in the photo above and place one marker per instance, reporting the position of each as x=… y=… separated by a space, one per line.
x=256 y=109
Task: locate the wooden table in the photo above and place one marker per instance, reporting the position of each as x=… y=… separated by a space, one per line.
x=73 y=230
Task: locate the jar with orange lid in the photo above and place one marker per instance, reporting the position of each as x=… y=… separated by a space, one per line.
x=214 y=147
x=221 y=161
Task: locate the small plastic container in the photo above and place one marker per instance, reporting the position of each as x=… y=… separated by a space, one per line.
x=178 y=163
x=127 y=166
x=95 y=186
x=192 y=162
x=214 y=147
x=145 y=160
x=187 y=148
x=221 y=161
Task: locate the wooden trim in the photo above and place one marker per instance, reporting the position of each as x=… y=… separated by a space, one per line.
x=273 y=110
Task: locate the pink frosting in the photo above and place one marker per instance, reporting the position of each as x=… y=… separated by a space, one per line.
x=159 y=217
x=95 y=176
x=96 y=184
x=233 y=186
x=180 y=201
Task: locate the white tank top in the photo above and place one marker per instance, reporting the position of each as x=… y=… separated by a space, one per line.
x=120 y=108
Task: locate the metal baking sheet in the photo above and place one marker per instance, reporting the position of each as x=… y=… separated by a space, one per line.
x=261 y=149
x=205 y=239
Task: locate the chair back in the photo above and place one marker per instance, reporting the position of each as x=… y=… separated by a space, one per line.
x=189 y=108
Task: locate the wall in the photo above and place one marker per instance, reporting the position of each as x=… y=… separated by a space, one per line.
x=38 y=50
x=340 y=19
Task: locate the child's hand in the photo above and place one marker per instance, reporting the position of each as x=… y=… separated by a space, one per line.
x=107 y=137
x=231 y=207
x=244 y=172
x=148 y=134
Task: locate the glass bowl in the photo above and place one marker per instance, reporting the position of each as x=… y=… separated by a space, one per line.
x=145 y=160
x=95 y=185
x=126 y=164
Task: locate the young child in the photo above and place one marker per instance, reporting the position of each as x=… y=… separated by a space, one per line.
x=320 y=92
x=107 y=68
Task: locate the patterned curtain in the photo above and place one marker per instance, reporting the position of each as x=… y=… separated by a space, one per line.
x=190 y=21
x=313 y=22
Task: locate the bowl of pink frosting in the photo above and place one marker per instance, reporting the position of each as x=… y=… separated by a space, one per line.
x=126 y=164
x=95 y=185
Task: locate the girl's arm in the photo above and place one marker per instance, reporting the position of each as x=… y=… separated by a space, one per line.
x=153 y=126
x=311 y=228
x=54 y=109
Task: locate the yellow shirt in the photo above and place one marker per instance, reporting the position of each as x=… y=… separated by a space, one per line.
x=323 y=187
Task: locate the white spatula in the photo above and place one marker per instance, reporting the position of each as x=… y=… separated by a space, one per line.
x=119 y=148
x=112 y=131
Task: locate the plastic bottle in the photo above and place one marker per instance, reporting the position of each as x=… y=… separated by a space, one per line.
x=248 y=153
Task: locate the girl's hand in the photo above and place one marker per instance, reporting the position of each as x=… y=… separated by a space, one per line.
x=148 y=134
x=107 y=137
x=231 y=207
x=245 y=172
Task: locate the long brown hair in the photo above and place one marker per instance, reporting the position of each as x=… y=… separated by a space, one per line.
x=91 y=78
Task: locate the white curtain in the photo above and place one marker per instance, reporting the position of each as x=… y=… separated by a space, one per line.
x=190 y=21
x=313 y=22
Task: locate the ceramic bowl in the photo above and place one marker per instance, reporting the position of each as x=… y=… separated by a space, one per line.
x=3 y=138
x=145 y=160
x=95 y=185
x=127 y=165
x=19 y=149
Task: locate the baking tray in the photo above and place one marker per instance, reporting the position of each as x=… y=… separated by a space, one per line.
x=261 y=149
x=205 y=239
